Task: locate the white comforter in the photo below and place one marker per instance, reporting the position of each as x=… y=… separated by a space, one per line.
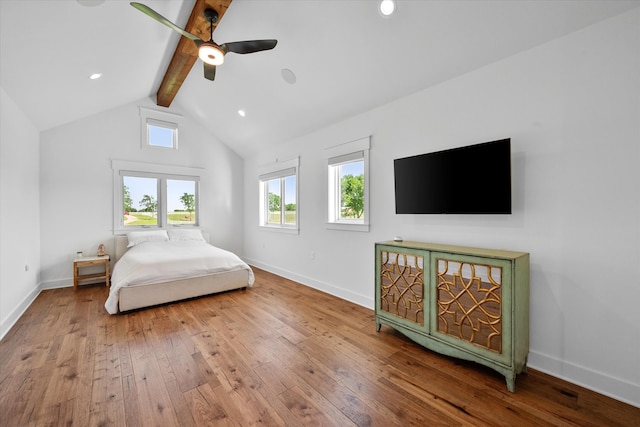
x=157 y=262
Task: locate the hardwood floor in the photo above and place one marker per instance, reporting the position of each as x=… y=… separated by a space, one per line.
x=277 y=354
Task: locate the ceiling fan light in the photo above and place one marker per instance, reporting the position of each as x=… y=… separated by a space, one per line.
x=211 y=54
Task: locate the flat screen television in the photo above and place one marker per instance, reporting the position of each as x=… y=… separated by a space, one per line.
x=475 y=179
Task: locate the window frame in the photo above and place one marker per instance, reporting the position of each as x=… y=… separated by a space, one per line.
x=163 y=119
x=280 y=170
x=336 y=156
x=162 y=173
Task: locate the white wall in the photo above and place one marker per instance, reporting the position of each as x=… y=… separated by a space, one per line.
x=76 y=183
x=19 y=212
x=572 y=109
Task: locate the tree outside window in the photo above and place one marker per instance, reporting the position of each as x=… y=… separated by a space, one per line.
x=189 y=203
x=352 y=196
x=149 y=204
x=126 y=196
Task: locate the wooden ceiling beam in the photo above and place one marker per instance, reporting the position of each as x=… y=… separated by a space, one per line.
x=186 y=52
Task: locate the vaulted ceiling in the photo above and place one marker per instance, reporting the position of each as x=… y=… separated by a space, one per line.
x=346 y=57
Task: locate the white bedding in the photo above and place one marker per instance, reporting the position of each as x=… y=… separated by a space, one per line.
x=158 y=262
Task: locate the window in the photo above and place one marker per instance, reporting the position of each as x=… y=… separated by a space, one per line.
x=162 y=134
x=147 y=195
x=159 y=129
x=278 y=196
x=348 y=192
x=346 y=188
x=140 y=200
x=181 y=201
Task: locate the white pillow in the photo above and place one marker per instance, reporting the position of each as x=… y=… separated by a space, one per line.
x=137 y=237
x=186 y=235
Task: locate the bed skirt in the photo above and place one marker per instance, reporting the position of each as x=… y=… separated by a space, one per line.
x=132 y=297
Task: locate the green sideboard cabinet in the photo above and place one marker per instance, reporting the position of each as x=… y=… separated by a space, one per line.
x=470 y=303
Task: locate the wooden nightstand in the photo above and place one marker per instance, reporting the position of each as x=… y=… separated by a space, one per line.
x=90 y=261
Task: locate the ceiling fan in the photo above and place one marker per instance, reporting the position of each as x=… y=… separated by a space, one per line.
x=211 y=53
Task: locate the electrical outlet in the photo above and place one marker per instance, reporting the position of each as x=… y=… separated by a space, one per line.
x=313 y=255
x=26 y=267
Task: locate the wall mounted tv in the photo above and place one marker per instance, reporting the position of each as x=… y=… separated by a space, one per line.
x=475 y=179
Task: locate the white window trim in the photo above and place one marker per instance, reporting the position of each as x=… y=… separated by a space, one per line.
x=278 y=170
x=164 y=119
x=342 y=153
x=130 y=168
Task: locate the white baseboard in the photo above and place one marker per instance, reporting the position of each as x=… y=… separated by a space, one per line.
x=599 y=382
x=615 y=388
x=55 y=284
x=363 y=300
x=8 y=322
x=13 y=317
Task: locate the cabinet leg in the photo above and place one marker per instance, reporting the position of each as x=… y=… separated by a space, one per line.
x=511 y=382
x=378 y=326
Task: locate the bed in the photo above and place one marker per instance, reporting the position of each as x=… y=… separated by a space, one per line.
x=160 y=266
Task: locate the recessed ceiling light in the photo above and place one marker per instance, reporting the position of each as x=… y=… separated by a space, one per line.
x=242 y=113
x=90 y=3
x=95 y=76
x=387 y=7
x=288 y=76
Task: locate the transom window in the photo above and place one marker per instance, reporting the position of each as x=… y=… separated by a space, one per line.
x=162 y=134
x=278 y=196
x=159 y=129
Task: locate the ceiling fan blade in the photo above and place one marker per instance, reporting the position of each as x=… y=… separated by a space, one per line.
x=209 y=71
x=249 y=46
x=155 y=15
